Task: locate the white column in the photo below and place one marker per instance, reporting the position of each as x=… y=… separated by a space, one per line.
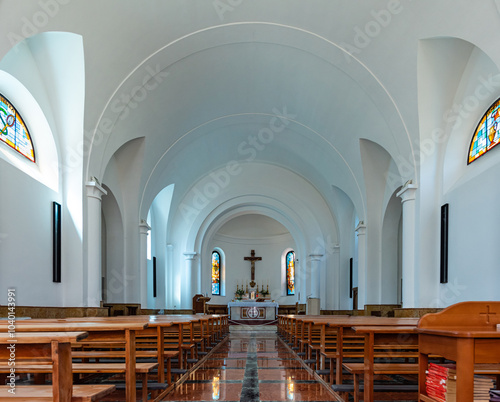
x=361 y=232
x=94 y=243
x=144 y=229
x=191 y=271
x=408 y=194
x=315 y=277
x=335 y=283
x=167 y=287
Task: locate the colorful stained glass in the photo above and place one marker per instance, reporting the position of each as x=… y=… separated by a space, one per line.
x=487 y=133
x=290 y=273
x=216 y=273
x=13 y=131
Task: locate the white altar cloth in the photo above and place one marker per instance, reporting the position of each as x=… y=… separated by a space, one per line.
x=252 y=310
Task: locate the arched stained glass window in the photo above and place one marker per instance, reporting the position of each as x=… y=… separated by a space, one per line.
x=487 y=133
x=13 y=131
x=216 y=273
x=290 y=273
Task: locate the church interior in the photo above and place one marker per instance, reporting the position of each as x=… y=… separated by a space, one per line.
x=239 y=194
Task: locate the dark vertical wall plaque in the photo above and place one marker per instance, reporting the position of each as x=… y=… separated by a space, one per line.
x=350 y=278
x=56 y=242
x=154 y=276
x=444 y=245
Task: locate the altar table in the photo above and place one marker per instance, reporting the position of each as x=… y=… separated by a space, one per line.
x=252 y=311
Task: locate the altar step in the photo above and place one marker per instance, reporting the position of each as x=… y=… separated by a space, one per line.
x=256 y=328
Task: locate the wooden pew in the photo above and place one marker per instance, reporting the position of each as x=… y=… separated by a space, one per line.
x=216 y=308
x=98 y=331
x=385 y=343
x=337 y=340
x=44 y=393
x=149 y=343
x=351 y=345
x=52 y=347
x=176 y=336
x=143 y=369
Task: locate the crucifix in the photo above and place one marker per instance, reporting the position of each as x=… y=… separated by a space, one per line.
x=252 y=260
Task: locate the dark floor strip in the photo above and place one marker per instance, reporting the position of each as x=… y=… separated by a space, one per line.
x=250 y=387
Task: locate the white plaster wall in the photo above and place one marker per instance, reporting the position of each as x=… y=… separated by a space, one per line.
x=50 y=67
x=26 y=240
x=113 y=249
x=60 y=62
x=160 y=211
x=391 y=269
x=474 y=227
x=122 y=177
x=238 y=270
x=344 y=210
x=377 y=164
x=457 y=83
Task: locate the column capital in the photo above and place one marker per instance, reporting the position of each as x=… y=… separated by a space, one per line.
x=315 y=257
x=190 y=255
x=335 y=248
x=95 y=190
x=144 y=228
x=407 y=193
x=360 y=229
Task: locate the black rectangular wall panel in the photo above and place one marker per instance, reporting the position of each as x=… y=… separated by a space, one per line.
x=443 y=276
x=56 y=242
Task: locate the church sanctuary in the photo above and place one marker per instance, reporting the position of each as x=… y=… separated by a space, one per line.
x=249 y=200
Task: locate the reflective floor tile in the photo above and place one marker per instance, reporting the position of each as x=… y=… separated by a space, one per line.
x=298 y=392
x=205 y=392
x=294 y=374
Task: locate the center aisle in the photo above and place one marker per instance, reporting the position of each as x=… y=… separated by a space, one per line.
x=251 y=366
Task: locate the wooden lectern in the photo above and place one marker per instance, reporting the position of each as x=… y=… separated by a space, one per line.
x=467 y=333
x=199 y=304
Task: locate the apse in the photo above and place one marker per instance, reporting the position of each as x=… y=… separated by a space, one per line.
x=236 y=239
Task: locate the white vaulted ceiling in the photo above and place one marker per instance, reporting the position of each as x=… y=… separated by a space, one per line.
x=199 y=79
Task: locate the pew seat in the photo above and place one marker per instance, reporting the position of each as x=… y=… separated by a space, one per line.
x=42 y=393
x=143 y=369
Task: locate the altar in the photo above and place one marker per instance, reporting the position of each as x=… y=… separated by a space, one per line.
x=252 y=312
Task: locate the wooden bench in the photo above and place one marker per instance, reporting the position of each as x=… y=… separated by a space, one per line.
x=384 y=348
x=358 y=371
x=96 y=331
x=149 y=343
x=142 y=369
x=384 y=392
x=394 y=391
x=216 y=308
x=46 y=347
x=42 y=393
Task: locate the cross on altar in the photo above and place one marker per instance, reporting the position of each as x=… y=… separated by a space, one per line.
x=252 y=260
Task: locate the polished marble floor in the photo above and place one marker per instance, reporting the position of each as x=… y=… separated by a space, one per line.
x=251 y=367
